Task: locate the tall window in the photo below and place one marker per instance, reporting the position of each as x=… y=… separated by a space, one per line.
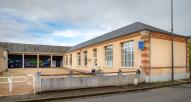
x=95 y=57
x=109 y=55
x=79 y=58
x=127 y=54
x=85 y=56
x=70 y=59
x=66 y=59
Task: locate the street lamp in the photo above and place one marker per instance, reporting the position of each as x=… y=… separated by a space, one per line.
x=172 y=42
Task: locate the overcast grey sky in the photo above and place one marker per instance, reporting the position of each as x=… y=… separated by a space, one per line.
x=69 y=22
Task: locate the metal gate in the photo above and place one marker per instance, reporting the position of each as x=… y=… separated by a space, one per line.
x=17 y=85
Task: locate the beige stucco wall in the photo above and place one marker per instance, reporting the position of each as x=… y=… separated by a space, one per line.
x=161 y=56
x=101 y=55
x=159 y=62
x=160 y=53
x=180 y=54
x=3 y=65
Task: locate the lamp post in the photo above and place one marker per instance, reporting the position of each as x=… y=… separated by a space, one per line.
x=172 y=43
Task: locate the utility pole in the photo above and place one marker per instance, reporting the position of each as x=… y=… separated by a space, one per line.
x=172 y=42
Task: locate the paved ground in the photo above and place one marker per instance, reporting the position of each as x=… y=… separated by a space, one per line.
x=26 y=71
x=23 y=87
x=181 y=93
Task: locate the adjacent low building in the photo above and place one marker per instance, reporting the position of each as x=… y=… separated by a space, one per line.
x=14 y=55
x=136 y=46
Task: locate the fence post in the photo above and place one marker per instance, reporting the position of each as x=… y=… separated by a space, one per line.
x=136 y=80
x=38 y=84
x=119 y=72
x=97 y=73
x=70 y=74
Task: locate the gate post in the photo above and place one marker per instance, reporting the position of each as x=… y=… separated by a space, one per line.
x=38 y=84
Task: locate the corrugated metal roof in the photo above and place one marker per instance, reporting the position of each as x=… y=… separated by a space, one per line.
x=17 y=47
x=135 y=27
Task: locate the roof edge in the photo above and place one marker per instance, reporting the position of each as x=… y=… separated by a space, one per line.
x=125 y=35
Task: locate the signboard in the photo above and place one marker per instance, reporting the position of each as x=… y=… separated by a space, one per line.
x=141 y=45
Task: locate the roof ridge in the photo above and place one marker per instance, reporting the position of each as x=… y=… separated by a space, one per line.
x=34 y=44
x=18 y=47
x=134 y=27
x=146 y=26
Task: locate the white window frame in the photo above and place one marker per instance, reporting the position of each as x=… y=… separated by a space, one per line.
x=70 y=59
x=78 y=58
x=109 y=55
x=85 y=56
x=95 y=57
x=127 y=54
x=67 y=60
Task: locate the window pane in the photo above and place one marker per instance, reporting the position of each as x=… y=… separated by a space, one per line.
x=109 y=55
x=127 y=54
x=85 y=58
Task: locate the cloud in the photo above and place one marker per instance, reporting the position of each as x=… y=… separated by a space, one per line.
x=74 y=33
x=69 y=33
x=73 y=21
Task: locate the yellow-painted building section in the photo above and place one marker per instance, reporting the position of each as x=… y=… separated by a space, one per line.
x=101 y=63
x=161 y=56
x=155 y=59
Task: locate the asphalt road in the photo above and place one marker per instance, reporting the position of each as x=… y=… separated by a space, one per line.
x=181 y=93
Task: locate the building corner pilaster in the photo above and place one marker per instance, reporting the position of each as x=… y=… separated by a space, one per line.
x=145 y=53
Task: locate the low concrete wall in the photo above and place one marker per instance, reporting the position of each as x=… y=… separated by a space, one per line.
x=52 y=84
x=167 y=77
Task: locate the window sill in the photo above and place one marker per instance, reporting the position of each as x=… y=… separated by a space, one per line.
x=108 y=67
x=127 y=67
x=84 y=66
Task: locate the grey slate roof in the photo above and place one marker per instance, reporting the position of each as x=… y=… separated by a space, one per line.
x=16 y=47
x=135 y=27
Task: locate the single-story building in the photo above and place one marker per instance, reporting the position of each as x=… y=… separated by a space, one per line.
x=14 y=55
x=136 y=46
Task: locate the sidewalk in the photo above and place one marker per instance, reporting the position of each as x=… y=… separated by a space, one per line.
x=68 y=94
